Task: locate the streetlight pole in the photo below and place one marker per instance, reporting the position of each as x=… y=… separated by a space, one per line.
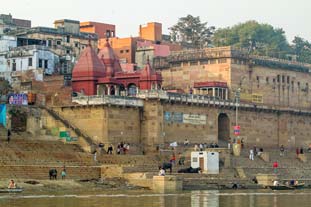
x=237 y=100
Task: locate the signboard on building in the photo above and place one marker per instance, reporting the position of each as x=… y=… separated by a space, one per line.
x=237 y=130
x=18 y=99
x=195 y=119
x=167 y=116
x=177 y=117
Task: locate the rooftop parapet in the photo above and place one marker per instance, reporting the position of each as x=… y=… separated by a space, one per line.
x=228 y=52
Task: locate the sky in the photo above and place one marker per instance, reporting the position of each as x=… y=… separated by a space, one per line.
x=294 y=16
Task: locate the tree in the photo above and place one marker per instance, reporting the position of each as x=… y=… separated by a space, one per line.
x=259 y=39
x=302 y=49
x=5 y=87
x=191 y=32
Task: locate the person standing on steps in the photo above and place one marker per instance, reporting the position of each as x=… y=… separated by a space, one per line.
x=8 y=136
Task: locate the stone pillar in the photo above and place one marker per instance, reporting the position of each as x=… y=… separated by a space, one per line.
x=108 y=90
x=226 y=94
x=166 y=184
x=213 y=92
x=117 y=90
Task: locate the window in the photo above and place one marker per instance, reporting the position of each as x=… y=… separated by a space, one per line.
x=288 y=79
x=29 y=61
x=222 y=60
x=40 y=63
x=45 y=63
x=267 y=80
x=67 y=51
x=283 y=78
x=68 y=39
x=121 y=51
x=14 y=65
x=58 y=42
x=298 y=84
x=49 y=43
x=127 y=51
x=213 y=61
x=108 y=33
x=278 y=78
x=76 y=44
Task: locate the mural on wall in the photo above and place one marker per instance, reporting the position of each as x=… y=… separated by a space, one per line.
x=178 y=117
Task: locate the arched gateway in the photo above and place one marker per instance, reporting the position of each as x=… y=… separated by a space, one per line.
x=223 y=127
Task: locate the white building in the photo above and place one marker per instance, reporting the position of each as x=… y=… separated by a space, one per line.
x=37 y=58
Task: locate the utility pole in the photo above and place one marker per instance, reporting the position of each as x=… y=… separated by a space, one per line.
x=237 y=101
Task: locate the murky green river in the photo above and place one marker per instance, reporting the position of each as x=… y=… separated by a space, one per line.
x=239 y=198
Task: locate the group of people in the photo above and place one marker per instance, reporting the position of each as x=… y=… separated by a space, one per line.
x=255 y=151
x=203 y=146
x=122 y=148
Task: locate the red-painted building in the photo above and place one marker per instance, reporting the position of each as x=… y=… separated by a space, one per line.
x=101 y=74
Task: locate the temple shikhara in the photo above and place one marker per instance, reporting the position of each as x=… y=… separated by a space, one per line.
x=101 y=74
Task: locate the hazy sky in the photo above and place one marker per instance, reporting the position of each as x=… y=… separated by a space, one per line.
x=294 y=16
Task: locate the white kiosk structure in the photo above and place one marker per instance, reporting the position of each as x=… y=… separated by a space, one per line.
x=207 y=161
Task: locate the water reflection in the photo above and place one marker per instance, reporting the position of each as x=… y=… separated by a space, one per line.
x=205 y=198
x=183 y=199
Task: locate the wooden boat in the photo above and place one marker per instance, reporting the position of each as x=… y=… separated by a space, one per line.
x=11 y=190
x=281 y=187
x=299 y=186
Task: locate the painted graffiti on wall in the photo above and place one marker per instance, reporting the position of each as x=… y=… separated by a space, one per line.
x=178 y=117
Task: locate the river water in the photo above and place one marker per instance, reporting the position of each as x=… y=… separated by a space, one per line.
x=239 y=198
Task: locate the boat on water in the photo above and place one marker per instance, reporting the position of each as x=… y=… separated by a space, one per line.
x=287 y=187
x=11 y=190
x=281 y=187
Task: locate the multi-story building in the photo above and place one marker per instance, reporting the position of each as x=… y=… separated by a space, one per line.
x=101 y=29
x=9 y=24
x=126 y=48
x=65 y=40
x=18 y=61
x=226 y=72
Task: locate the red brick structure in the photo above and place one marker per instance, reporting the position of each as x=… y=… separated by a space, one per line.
x=102 y=75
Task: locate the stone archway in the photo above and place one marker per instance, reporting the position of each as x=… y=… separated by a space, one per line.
x=223 y=127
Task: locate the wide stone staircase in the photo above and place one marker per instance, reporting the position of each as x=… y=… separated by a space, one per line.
x=289 y=166
x=31 y=158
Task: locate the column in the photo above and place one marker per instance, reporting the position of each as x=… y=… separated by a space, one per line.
x=108 y=90
x=213 y=92
x=226 y=93
x=117 y=90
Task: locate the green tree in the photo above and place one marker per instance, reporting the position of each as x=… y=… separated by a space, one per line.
x=302 y=49
x=259 y=39
x=191 y=32
x=5 y=87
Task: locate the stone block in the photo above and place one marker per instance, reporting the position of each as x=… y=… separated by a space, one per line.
x=265 y=156
x=302 y=158
x=236 y=149
x=166 y=184
x=266 y=179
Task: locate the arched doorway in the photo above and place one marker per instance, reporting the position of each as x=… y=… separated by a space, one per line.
x=223 y=127
x=132 y=89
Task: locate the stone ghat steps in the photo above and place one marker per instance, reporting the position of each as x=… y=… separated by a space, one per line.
x=40 y=145
x=127 y=159
x=42 y=172
x=41 y=152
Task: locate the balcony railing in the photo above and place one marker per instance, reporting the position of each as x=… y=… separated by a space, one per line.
x=113 y=100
